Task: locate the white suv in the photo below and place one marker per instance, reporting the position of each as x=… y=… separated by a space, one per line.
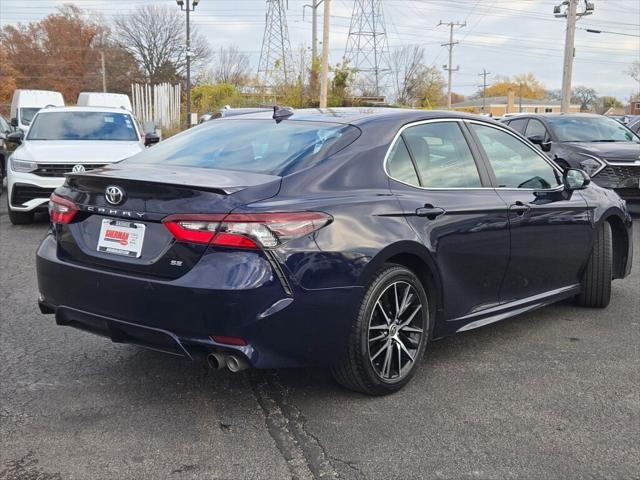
x=62 y=140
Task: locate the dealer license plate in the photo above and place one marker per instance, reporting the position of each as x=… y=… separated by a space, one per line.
x=121 y=237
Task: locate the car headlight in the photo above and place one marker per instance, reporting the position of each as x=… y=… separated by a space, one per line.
x=23 y=166
x=592 y=165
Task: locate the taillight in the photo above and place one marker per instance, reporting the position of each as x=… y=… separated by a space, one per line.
x=61 y=210
x=255 y=230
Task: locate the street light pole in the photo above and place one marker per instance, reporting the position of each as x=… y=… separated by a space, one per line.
x=188 y=9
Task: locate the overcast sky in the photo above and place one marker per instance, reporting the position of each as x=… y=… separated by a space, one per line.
x=506 y=37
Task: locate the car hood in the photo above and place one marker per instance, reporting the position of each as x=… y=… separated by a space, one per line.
x=79 y=151
x=618 y=151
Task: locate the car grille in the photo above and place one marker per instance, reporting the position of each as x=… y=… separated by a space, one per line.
x=21 y=194
x=619 y=176
x=59 y=169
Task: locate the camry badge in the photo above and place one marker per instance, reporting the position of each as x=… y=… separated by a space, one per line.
x=78 y=169
x=114 y=195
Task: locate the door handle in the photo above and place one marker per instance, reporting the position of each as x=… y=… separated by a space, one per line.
x=519 y=208
x=429 y=211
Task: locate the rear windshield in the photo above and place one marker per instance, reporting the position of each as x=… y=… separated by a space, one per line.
x=257 y=146
x=83 y=126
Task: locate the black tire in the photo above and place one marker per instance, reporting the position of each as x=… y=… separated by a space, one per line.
x=596 y=279
x=401 y=340
x=19 y=218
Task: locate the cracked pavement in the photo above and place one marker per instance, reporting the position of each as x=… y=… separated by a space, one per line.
x=554 y=394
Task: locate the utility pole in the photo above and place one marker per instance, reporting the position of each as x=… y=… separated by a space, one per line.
x=104 y=73
x=324 y=73
x=484 y=88
x=315 y=4
x=188 y=9
x=571 y=15
x=520 y=98
x=449 y=68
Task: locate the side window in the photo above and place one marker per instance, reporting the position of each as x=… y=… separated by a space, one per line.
x=514 y=163
x=518 y=124
x=400 y=165
x=442 y=155
x=535 y=127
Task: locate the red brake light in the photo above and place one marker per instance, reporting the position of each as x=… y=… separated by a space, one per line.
x=196 y=228
x=255 y=230
x=61 y=210
x=229 y=340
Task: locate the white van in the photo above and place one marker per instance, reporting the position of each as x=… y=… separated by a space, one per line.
x=100 y=99
x=26 y=103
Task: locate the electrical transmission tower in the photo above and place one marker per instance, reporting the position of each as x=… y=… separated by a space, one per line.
x=275 y=57
x=367 y=47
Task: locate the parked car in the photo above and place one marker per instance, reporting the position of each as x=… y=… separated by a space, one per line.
x=343 y=237
x=5 y=129
x=26 y=103
x=63 y=140
x=634 y=124
x=103 y=99
x=607 y=150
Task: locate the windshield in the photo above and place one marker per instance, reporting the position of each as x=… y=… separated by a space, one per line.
x=26 y=115
x=258 y=146
x=83 y=126
x=590 y=129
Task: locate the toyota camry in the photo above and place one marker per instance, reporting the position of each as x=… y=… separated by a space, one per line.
x=347 y=238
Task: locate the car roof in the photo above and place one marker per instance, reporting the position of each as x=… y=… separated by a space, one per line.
x=76 y=108
x=555 y=115
x=363 y=115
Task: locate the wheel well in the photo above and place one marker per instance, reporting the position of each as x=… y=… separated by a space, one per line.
x=418 y=266
x=619 y=244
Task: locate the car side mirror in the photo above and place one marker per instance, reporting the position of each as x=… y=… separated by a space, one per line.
x=539 y=140
x=14 y=122
x=151 y=139
x=15 y=137
x=575 y=179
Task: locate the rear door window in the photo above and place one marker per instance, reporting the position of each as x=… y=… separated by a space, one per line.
x=442 y=155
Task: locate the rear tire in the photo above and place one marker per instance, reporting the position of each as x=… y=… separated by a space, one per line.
x=596 y=279
x=389 y=335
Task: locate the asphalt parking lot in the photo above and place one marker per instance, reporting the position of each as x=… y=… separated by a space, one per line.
x=554 y=394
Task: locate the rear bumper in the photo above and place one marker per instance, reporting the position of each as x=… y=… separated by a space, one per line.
x=180 y=316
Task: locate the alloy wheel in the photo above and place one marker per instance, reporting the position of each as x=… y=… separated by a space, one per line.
x=395 y=331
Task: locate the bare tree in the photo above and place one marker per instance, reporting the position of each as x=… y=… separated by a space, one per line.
x=587 y=97
x=155 y=36
x=406 y=65
x=231 y=66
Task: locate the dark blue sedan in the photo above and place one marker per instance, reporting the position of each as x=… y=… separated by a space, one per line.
x=348 y=238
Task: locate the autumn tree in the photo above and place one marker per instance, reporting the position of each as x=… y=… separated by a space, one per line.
x=416 y=84
x=155 y=36
x=525 y=85
x=62 y=52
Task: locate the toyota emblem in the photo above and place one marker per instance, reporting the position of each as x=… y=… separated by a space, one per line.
x=78 y=169
x=114 y=195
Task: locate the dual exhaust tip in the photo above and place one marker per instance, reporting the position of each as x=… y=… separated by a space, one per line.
x=234 y=363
